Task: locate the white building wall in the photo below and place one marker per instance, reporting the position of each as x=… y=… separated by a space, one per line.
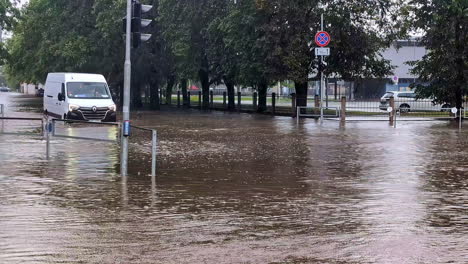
x=399 y=58
x=30 y=89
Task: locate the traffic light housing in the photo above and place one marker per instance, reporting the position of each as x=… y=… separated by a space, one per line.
x=138 y=23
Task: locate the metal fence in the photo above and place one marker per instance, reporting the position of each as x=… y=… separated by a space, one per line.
x=49 y=128
x=76 y=129
x=21 y=126
x=406 y=106
x=147 y=139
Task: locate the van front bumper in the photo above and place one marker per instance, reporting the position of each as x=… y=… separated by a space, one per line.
x=110 y=116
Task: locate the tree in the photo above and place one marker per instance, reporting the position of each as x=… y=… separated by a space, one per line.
x=184 y=26
x=222 y=57
x=75 y=36
x=360 y=30
x=8 y=14
x=249 y=36
x=443 y=70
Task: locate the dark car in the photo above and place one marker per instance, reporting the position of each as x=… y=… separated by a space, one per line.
x=40 y=92
x=4 y=89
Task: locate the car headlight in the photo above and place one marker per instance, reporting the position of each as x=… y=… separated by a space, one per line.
x=112 y=107
x=73 y=107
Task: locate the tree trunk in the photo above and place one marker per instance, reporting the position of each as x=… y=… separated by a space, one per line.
x=262 y=96
x=154 y=90
x=231 y=94
x=170 y=85
x=136 y=95
x=205 y=83
x=185 y=98
x=121 y=92
x=301 y=93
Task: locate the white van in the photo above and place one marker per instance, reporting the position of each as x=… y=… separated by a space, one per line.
x=78 y=96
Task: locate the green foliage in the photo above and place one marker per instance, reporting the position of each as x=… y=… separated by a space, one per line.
x=251 y=43
x=65 y=35
x=443 y=70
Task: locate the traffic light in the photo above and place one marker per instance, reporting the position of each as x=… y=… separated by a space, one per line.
x=139 y=23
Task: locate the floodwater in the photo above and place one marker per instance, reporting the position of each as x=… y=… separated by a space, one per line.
x=236 y=188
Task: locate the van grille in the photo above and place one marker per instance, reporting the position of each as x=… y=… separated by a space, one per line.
x=89 y=114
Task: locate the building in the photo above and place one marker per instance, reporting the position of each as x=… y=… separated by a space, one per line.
x=30 y=89
x=399 y=54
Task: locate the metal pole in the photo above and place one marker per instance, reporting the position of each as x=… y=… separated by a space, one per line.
x=326 y=93
x=298 y=113
x=153 y=153
x=126 y=97
x=460 y=121
x=321 y=76
x=42 y=128
x=53 y=127
x=2 y=109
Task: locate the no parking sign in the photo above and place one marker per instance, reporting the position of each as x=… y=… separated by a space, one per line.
x=322 y=38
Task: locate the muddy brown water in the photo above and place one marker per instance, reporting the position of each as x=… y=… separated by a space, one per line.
x=236 y=188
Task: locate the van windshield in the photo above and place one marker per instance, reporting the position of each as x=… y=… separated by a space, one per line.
x=87 y=90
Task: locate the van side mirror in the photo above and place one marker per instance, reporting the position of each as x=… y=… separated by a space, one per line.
x=63 y=92
x=60 y=97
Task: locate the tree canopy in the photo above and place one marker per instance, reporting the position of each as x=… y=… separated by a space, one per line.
x=245 y=42
x=443 y=70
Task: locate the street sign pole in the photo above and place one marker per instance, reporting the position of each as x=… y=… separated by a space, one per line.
x=321 y=77
x=126 y=96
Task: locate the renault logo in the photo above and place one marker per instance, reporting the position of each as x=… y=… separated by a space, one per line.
x=94 y=109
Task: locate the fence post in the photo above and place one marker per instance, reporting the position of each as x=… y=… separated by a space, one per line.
x=199 y=99
x=189 y=96
x=298 y=114
x=160 y=96
x=224 y=100
x=343 y=110
x=153 y=152
x=178 y=99
x=273 y=103
x=293 y=101
x=393 y=112
x=211 y=99
x=254 y=101
x=239 y=100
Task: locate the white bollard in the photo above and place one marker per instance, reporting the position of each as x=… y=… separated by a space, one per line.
x=153 y=153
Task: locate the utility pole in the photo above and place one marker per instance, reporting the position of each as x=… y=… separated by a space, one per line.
x=126 y=96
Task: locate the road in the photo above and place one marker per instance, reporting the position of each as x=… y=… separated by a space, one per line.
x=237 y=188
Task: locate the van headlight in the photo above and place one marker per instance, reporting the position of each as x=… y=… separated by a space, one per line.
x=112 y=107
x=72 y=107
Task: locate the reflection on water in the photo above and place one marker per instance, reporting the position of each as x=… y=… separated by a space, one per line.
x=239 y=189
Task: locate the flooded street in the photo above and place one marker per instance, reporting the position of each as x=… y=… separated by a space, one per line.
x=235 y=188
